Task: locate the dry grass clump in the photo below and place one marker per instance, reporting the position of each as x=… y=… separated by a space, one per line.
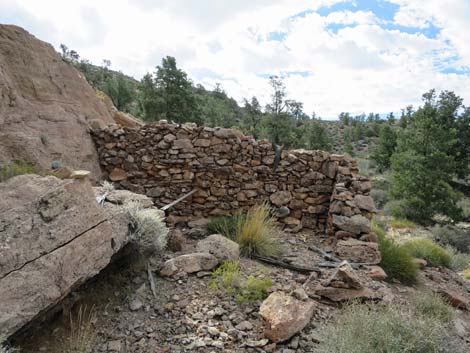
x=257 y=232
x=225 y=225
x=147 y=226
x=379 y=329
x=82 y=332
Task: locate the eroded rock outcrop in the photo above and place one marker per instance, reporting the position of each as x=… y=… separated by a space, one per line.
x=53 y=237
x=46 y=105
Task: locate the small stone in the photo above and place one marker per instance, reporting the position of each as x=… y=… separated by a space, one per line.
x=135 y=304
x=114 y=346
x=244 y=326
x=376 y=273
x=300 y=294
x=213 y=331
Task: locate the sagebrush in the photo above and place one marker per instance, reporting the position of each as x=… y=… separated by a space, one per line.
x=434 y=254
x=380 y=329
x=455 y=237
x=433 y=306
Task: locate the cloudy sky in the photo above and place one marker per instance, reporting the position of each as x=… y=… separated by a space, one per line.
x=334 y=55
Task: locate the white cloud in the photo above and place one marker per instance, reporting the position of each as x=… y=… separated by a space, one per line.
x=360 y=66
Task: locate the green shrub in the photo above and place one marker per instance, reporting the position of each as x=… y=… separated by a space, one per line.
x=227 y=276
x=453 y=236
x=254 y=289
x=396 y=262
x=225 y=225
x=16 y=168
x=378 y=329
x=434 y=307
x=426 y=249
x=257 y=233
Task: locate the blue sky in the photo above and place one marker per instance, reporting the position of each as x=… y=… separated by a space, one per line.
x=334 y=55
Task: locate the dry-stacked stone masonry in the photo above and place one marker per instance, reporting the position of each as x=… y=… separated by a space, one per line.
x=231 y=172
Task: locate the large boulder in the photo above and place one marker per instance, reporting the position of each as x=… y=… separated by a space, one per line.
x=53 y=237
x=284 y=315
x=221 y=247
x=46 y=106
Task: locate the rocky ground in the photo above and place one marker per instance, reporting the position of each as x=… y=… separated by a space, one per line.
x=187 y=315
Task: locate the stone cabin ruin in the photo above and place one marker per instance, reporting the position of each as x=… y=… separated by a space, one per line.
x=231 y=172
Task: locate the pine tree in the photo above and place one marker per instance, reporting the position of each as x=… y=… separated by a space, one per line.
x=385 y=148
x=423 y=165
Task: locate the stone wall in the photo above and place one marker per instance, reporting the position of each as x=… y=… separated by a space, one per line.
x=231 y=172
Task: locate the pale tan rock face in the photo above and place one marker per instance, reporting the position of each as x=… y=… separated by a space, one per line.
x=284 y=315
x=53 y=237
x=189 y=263
x=45 y=105
x=221 y=247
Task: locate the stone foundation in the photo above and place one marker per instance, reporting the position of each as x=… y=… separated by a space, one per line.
x=232 y=172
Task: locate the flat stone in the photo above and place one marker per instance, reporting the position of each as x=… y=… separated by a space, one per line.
x=118 y=175
x=120 y=197
x=356 y=224
x=183 y=144
x=345 y=294
x=358 y=251
x=365 y=203
x=281 y=198
x=455 y=299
